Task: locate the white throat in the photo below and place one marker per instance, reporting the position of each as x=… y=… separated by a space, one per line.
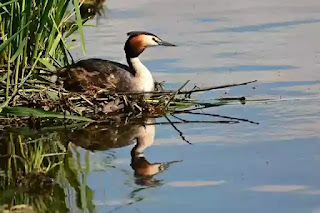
x=144 y=79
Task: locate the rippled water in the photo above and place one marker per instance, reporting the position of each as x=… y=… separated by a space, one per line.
x=270 y=167
x=242 y=167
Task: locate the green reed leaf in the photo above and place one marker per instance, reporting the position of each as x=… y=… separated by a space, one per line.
x=27 y=112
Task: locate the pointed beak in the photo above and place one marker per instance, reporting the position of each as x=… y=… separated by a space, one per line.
x=164 y=43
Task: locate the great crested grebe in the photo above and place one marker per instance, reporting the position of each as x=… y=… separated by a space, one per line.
x=96 y=74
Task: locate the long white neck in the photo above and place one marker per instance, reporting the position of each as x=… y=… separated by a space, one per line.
x=138 y=67
x=142 y=74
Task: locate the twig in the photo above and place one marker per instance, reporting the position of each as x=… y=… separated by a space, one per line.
x=172 y=97
x=199 y=105
x=181 y=119
x=172 y=92
x=232 y=99
x=84 y=98
x=180 y=133
x=189 y=95
x=194 y=122
x=55 y=61
x=219 y=116
x=217 y=87
x=70 y=55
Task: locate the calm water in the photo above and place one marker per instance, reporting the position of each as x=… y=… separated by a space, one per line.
x=270 y=167
x=243 y=167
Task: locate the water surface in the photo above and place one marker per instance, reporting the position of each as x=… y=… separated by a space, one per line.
x=242 y=167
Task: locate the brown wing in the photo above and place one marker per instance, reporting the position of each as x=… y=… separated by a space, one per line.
x=91 y=74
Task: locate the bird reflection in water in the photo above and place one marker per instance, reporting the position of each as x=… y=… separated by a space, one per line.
x=144 y=171
x=103 y=137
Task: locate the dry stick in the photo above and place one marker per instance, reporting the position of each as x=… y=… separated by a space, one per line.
x=180 y=133
x=223 y=116
x=232 y=99
x=172 y=97
x=181 y=119
x=55 y=61
x=217 y=87
x=216 y=115
x=172 y=92
x=70 y=55
x=202 y=106
x=134 y=122
x=194 y=122
x=84 y=98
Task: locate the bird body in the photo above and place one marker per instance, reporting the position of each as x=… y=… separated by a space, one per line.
x=91 y=74
x=97 y=74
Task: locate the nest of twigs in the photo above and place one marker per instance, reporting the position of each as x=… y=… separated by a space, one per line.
x=35 y=105
x=89 y=105
x=99 y=105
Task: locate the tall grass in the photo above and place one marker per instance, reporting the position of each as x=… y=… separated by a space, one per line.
x=33 y=35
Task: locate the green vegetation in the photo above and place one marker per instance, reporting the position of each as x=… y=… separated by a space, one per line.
x=35 y=168
x=33 y=41
x=38 y=171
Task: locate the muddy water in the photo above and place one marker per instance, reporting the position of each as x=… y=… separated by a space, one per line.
x=241 y=167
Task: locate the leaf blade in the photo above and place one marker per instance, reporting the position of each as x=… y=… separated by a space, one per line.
x=27 y=112
x=80 y=25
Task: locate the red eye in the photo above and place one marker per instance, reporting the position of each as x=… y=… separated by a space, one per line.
x=153 y=38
